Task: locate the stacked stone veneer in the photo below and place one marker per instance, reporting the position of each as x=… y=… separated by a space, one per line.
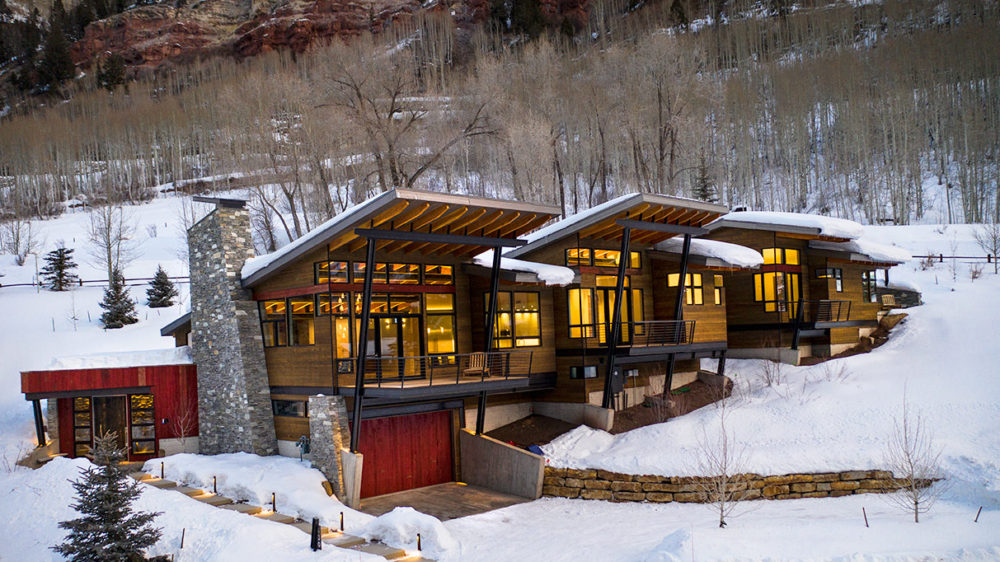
x=328 y=435
x=592 y=484
x=234 y=399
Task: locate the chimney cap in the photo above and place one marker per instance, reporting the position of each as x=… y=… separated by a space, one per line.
x=221 y=202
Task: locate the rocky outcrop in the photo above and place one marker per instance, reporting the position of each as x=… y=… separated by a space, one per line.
x=149 y=36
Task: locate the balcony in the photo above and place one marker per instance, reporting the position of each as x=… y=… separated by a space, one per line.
x=456 y=374
x=652 y=333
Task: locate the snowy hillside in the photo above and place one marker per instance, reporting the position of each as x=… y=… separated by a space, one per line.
x=834 y=415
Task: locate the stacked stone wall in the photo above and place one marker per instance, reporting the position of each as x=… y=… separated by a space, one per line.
x=590 y=484
x=234 y=401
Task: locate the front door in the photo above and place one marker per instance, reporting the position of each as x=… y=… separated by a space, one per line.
x=110 y=415
x=394 y=343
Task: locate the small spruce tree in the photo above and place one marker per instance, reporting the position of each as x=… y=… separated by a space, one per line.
x=56 y=65
x=108 y=529
x=119 y=308
x=58 y=270
x=161 y=292
x=703 y=188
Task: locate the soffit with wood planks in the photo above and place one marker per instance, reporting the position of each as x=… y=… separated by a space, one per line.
x=405 y=210
x=646 y=207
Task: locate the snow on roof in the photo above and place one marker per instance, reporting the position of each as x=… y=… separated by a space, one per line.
x=548 y=274
x=148 y=358
x=872 y=250
x=822 y=225
x=258 y=263
x=732 y=255
x=568 y=222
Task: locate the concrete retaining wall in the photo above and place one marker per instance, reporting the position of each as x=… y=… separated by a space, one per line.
x=586 y=414
x=592 y=484
x=495 y=465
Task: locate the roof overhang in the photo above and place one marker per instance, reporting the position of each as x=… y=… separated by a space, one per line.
x=178 y=325
x=420 y=222
x=703 y=262
x=651 y=218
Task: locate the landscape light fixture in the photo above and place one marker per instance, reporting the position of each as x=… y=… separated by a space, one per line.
x=215 y=487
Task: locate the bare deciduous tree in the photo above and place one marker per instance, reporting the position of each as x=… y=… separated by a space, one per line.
x=112 y=233
x=185 y=421
x=721 y=464
x=915 y=463
x=988 y=237
x=18 y=238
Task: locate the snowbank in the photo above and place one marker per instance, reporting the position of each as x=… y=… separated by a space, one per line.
x=400 y=526
x=548 y=274
x=826 y=226
x=298 y=488
x=866 y=247
x=148 y=358
x=33 y=502
x=733 y=255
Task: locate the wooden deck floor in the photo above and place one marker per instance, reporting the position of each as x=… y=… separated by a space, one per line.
x=444 y=501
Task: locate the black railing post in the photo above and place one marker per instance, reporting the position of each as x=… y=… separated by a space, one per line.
x=616 y=316
x=359 y=374
x=678 y=310
x=36 y=407
x=490 y=327
x=798 y=322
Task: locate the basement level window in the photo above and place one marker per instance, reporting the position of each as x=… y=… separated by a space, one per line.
x=583 y=372
x=289 y=408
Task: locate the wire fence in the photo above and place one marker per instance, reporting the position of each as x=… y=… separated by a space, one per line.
x=129 y=281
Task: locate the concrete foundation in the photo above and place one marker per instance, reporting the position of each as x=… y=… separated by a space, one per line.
x=492 y=464
x=586 y=414
x=780 y=354
x=498 y=416
x=352 y=464
x=176 y=446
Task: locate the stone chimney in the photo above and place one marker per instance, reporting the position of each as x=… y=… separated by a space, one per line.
x=234 y=398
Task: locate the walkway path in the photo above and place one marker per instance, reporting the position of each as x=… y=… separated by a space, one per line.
x=330 y=537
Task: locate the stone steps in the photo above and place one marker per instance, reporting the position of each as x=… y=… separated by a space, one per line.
x=330 y=537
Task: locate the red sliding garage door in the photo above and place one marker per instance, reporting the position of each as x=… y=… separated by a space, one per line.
x=405 y=452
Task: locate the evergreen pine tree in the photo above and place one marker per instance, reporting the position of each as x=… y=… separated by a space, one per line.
x=112 y=73
x=56 y=64
x=119 y=308
x=703 y=188
x=108 y=528
x=161 y=292
x=58 y=270
x=58 y=16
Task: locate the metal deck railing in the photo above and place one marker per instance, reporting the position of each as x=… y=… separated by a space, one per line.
x=452 y=368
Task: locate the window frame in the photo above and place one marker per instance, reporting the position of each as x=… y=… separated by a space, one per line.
x=151 y=410
x=511 y=341
x=271 y=325
x=718 y=289
x=835 y=273
x=302 y=404
x=89 y=410
x=869 y=286
x=588 y=372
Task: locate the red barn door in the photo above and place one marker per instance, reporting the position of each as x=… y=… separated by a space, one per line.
x=405 y=452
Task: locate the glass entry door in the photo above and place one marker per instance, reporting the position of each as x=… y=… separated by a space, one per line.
x=109 y=415
x=606 y=311
x=390 y=339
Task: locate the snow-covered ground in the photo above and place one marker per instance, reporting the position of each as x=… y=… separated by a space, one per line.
x=820 y=418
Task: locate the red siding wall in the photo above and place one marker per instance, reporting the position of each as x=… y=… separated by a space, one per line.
x=174 y=388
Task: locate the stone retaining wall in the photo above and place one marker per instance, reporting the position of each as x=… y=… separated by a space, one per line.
x=592 y=484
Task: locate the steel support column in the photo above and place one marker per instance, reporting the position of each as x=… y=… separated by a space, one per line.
x=616 y=316
x=362 y=345
x=490 y=322
x=678 y=309
x=36 y=407
x=721 y=369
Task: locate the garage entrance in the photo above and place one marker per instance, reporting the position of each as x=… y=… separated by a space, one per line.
x=405 y=452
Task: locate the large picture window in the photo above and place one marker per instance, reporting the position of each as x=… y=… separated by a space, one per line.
x=694 y=290
x=518 y=322
x=581 y=313
x=440 y=309
x=274 y=322
x=143 y=424
x=836 y=274
x=787 y=256
x=303 y=320
x=600 y=258
x=779 y=291
x=868 y=286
